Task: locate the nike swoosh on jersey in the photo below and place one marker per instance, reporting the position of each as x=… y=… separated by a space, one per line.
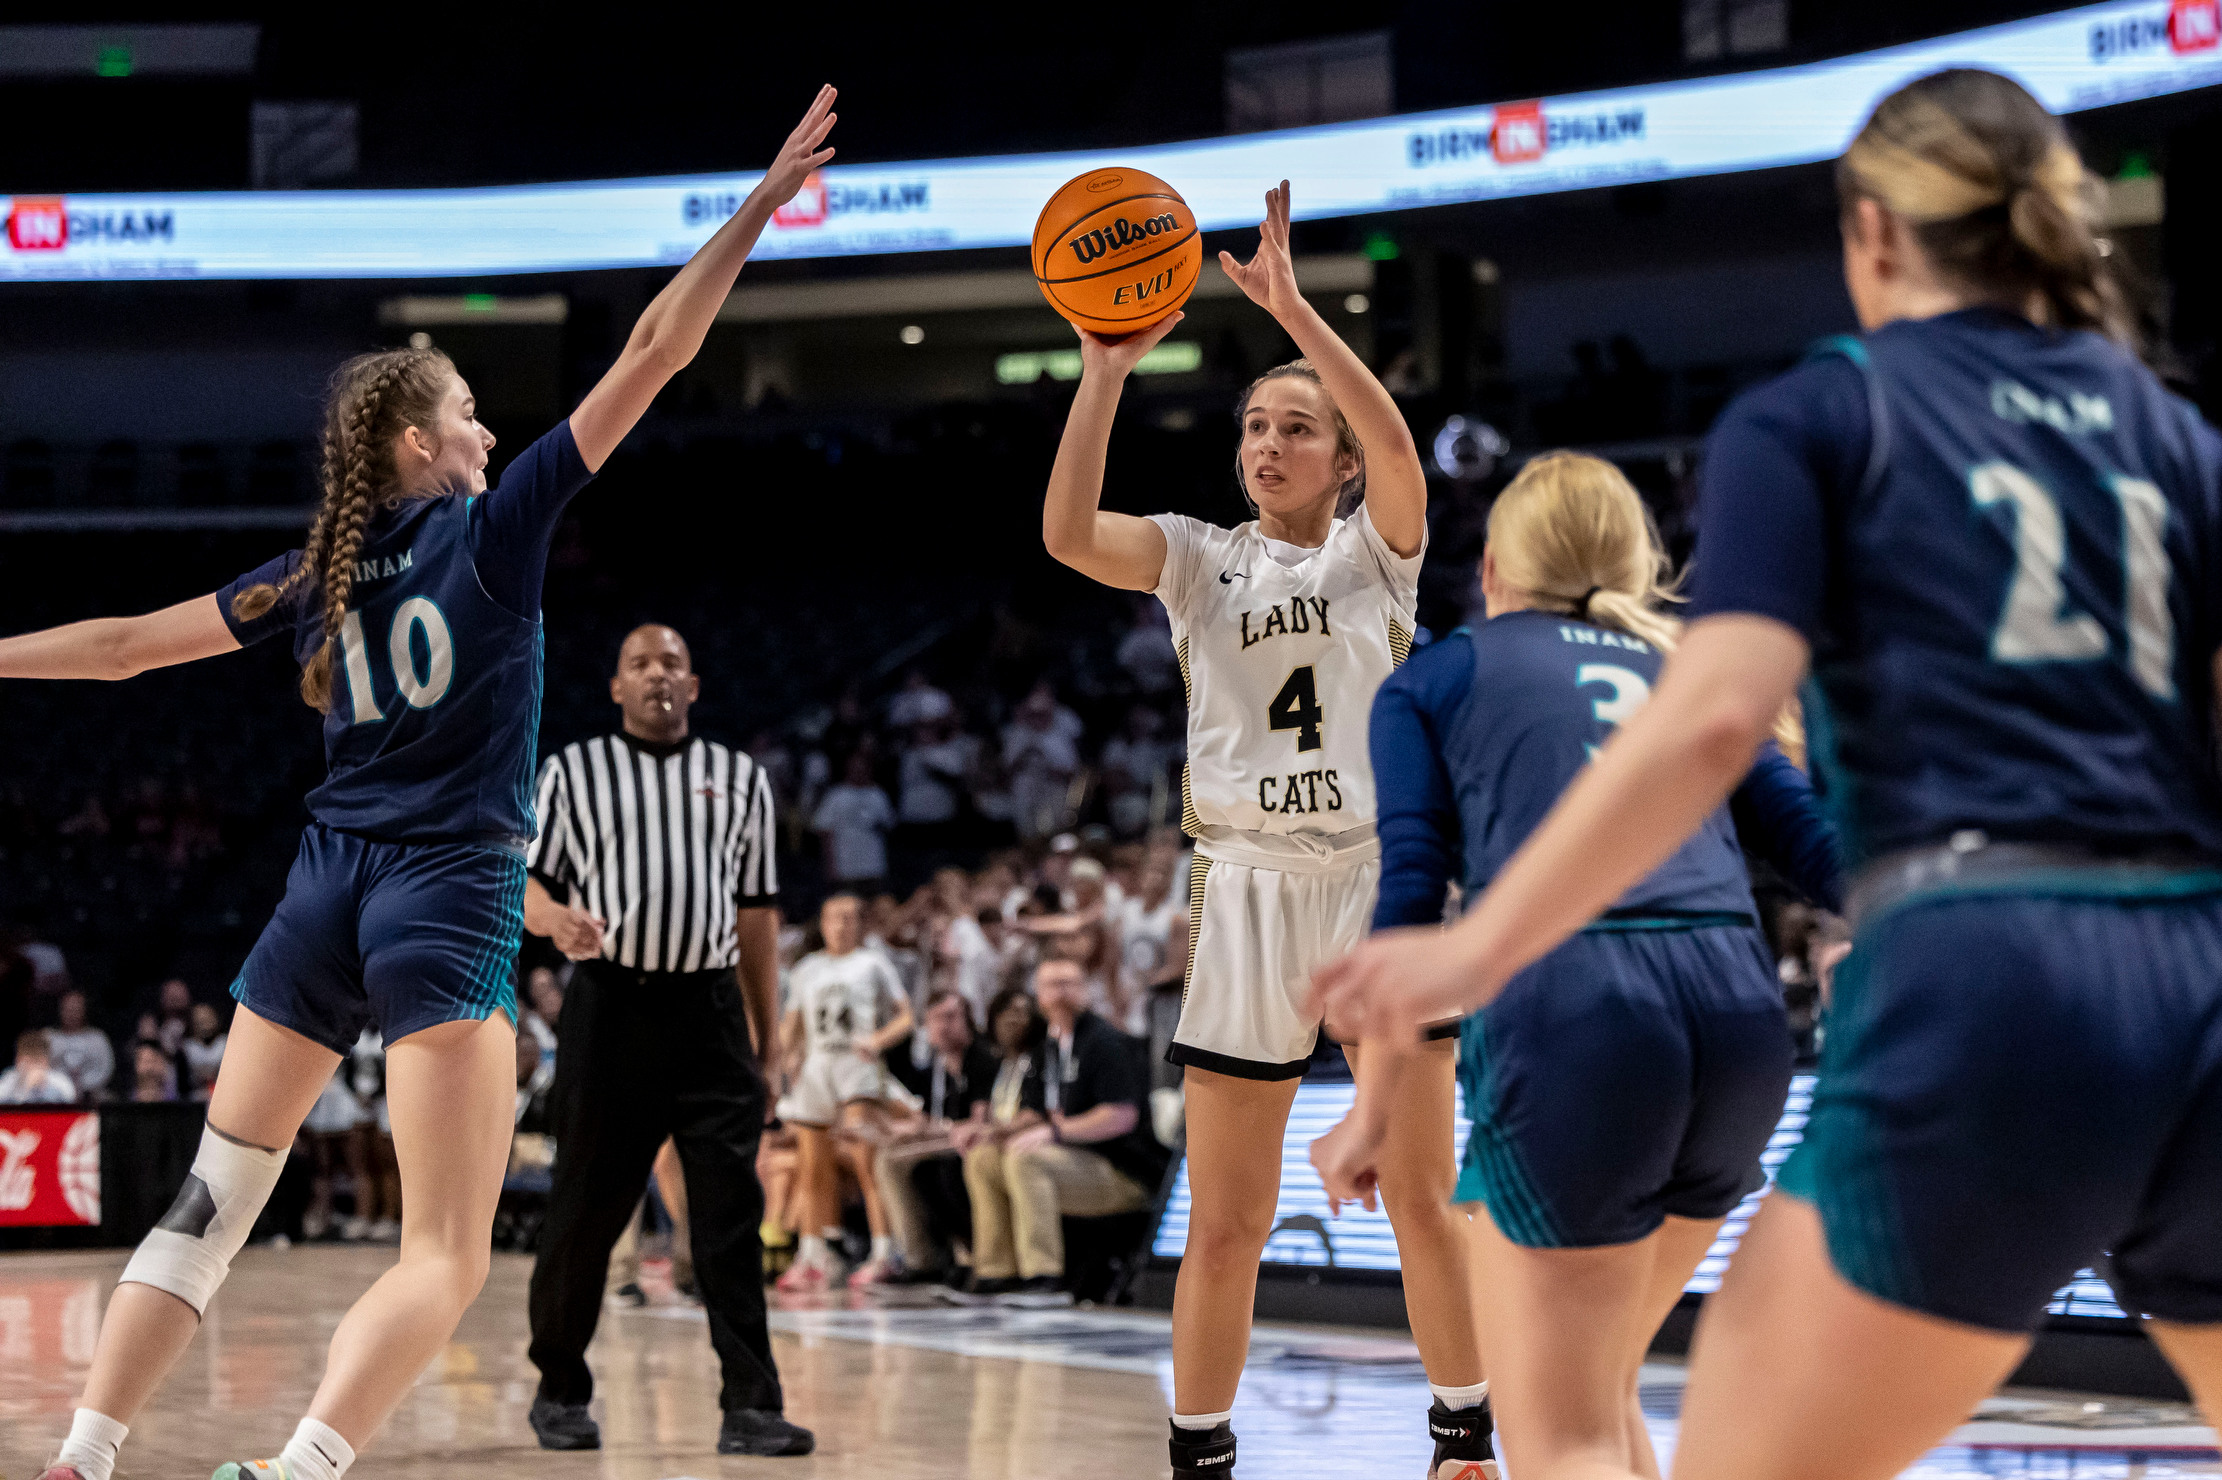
x=1227 y=580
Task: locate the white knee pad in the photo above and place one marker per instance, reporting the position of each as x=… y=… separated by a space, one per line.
x=190 y=1250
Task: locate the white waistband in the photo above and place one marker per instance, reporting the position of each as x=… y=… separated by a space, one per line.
x=1290 y=853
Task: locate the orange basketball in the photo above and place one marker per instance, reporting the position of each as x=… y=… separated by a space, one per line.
x=1115 y=250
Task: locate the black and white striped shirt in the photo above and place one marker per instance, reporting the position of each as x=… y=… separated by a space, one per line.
x=664 y=842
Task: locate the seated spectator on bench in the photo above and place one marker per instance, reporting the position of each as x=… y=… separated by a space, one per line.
x=34 y=1080
x=1083 y=1149
x=81 y=1050
x=959 y=1075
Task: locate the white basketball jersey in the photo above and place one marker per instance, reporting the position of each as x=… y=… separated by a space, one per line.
x=1282 y=649
x=844 y=999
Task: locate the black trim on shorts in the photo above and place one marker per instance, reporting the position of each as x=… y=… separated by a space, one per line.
x=1445 y=1031
x=1219 y=1063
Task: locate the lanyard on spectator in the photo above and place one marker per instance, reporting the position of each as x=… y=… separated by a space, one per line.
x=941 y=1079
x=1009 y=1081
x=1065 y=1070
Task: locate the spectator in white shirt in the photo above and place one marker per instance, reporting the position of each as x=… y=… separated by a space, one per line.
x=172 y=1023
x=81 y=1051
x=34 y=1080
x=1146 y=651
x=1136 y=767
x=202 y=1051
x=1041 y=753
x=852 y=823
x=935 y=771
x=918 y=702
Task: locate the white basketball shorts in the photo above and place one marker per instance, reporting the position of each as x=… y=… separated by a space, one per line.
x=832 y=1078
x=1256 y=937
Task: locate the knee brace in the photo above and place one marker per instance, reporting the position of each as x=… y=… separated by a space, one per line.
x=190 y=1250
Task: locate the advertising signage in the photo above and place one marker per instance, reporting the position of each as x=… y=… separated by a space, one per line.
x=2072 y=60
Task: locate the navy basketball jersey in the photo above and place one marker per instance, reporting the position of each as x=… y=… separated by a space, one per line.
x=2004 y=544
x=435 y=713
x=1547 y=691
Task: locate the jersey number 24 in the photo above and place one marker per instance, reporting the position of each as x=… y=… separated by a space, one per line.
x=2039 y=624
x=422 y=690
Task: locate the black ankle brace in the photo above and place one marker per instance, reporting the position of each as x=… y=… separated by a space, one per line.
x=1203 y=1451
x=1461 y=1433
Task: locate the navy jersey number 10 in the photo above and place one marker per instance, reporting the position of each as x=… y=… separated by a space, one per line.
x=424 y=687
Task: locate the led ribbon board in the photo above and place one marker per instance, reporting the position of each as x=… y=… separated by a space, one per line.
x=1307 y=1234
x=2073 y=60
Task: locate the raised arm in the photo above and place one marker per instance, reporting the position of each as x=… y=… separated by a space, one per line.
x=1396 y=486
x=1116 y=549
x=672 y=329
x=120 y=647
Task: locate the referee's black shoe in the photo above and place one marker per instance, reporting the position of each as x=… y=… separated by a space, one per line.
x=564 y=1425
x=1463 y=1450
x=761 y=1431
x=1202 y=1451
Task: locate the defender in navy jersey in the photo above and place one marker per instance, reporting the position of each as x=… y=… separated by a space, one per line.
x=1997 y=540
x=406 y=903
x=414 y=607
x=1622 y=1088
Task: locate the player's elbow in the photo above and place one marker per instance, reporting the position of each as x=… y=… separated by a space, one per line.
x=1066 y=546
x=655 y=350
x=120 y=650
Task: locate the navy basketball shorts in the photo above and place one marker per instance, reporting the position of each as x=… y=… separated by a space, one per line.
x=1630 y=1076
x=405 y=936
x=2013 y=1085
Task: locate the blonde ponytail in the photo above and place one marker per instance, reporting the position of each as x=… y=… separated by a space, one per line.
x=1570 y=534
x=1995 y=194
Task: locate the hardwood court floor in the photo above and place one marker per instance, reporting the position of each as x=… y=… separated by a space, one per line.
x=894 y=1392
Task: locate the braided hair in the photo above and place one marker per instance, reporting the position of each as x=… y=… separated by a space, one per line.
x=371 y=398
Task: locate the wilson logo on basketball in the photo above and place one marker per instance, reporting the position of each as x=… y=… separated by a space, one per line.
x=1116 y=250
x=37 y=225
x=1120 y=234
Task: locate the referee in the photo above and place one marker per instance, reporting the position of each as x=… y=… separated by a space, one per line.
x=660 y=847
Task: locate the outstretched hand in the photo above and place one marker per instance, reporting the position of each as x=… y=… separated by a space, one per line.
x=1398 y=983
x=802 y=152
x=1116 y=355
x=1270 y=276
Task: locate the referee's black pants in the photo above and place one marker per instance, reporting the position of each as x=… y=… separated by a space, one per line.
x=641 y=1055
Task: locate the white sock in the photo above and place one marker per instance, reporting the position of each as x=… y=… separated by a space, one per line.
x=1201 y=1420
x=316 y=1453
x=1461 y=1397
x=811 y=1250
x=91 y=1447
x=883 y=1248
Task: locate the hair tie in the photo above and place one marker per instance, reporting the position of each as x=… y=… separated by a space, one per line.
x=1581 y=607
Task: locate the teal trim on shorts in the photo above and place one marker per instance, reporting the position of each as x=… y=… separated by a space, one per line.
x=1839 y=1167
x=492 y=976
x=1492 y=1172
x=2097 y=882
x=1629 y=924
